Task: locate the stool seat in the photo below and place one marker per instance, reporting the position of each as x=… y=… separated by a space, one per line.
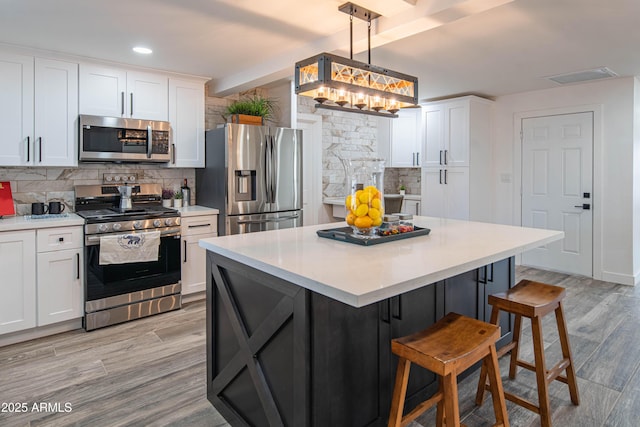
x=534 y=300
x=447 y=348
x=529 y=298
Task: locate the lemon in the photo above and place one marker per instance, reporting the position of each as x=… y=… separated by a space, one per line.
x=362 y=210
x=364 y=197
x=377 y=222
x=374 y=213
x=351 y=218
x=363 y=222
x=347 y=201
x=371 y=189
x=376 y=203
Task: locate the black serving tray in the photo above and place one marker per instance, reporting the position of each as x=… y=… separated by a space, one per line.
x=345 y=234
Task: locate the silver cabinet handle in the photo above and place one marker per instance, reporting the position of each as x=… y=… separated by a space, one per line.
x=446 y=162
x=173 y=153
x=445 y=176
x=440 y=156
x=122 y=103
x=131 y=105
x=40 y=148
x=185 y=251
x=418 y=158
x=440 y=175
x=28 y=149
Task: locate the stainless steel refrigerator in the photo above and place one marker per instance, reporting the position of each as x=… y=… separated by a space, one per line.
x=253 y=176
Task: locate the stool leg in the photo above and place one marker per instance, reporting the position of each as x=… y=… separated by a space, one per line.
x=451 y=408
x=399 y=392
x=541 y=372
x=517 y=328
x=495 y=384
x=566 y=353
x=440 y=406
x=495 y=313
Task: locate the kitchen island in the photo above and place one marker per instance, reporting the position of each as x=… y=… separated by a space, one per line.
x=299 y=326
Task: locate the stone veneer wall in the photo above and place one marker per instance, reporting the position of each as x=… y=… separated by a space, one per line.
x=36 y=184
x=345 y=136
x=348 y=136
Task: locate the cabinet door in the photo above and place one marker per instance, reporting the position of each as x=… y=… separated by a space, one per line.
x=433 y=192
x=186 y=114
x=16 y=105
x=56 y=113
x=405 y=140
x=18 y=290
x=102 y=91
x=456 y=195
x=60 y=286
x=194 y=267
x=462 y=295
x=147 y=96
x=433 y=123
x=456 y=134
x=411 y=207
x=410 y=313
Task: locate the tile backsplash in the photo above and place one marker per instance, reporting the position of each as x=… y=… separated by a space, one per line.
x=32 y=184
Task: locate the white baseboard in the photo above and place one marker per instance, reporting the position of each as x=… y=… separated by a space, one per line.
x=43 y=331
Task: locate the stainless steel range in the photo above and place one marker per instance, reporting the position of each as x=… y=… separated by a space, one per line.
x=132 y=255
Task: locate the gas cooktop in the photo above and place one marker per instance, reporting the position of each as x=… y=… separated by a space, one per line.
x=117 y=214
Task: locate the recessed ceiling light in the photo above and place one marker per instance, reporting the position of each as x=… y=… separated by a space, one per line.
x=144 y=50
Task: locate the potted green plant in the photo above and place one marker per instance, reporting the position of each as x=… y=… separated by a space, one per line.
x=177 y=199
x=251 y=109
x=402 y=189
x=167 y=197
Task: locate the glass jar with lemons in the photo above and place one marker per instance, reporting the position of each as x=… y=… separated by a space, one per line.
x=365 y=204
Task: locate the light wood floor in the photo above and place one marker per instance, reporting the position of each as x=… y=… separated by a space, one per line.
x=151 y=372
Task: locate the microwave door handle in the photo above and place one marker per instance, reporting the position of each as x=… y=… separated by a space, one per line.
x=149 y=141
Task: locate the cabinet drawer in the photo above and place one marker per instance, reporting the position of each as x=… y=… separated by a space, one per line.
x=54 y=239
x=199 y=225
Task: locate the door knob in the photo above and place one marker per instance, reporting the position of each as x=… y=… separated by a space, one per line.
x=585 y=206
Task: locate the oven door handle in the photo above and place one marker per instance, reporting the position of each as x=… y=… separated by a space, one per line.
x=94 y=239
x=149 y=135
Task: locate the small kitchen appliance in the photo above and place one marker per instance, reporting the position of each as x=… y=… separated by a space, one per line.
x=125 y=197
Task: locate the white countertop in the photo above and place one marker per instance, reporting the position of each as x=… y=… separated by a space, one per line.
x=196 y=210
x=360 y=275
x=25 y=222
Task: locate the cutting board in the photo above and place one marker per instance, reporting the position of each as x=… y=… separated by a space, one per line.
x=6 y=199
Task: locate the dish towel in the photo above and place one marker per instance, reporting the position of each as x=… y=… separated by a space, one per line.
x=128 y=248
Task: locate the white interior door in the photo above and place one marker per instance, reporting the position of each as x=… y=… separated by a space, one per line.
x=557 y=189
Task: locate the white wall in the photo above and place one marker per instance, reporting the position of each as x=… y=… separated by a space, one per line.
x=615 y=198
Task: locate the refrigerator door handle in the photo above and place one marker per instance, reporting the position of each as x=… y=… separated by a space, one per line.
x=263 y=221
x=267 y=168
x=274 y=168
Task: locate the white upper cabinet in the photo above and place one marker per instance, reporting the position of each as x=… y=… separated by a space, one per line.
x=400 y=139
x=406 y=139
x=446 y=126
x=114 y=92
x=38 y=111
x=186 y=115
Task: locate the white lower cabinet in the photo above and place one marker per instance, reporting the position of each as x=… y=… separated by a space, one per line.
x=194 y=270
x=18 y=290
x=410 y=206
x=42 y=277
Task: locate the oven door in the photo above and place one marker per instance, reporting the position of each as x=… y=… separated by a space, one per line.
x=107 y=281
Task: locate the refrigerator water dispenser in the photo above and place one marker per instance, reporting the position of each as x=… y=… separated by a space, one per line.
x=245 y=185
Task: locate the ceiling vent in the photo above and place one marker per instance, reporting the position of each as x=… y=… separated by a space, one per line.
x=583 y=76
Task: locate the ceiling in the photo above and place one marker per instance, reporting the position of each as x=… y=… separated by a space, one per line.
x=487 y=47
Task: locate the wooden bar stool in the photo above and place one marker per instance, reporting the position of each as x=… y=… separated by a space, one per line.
x=534 y=300
x=447 y=348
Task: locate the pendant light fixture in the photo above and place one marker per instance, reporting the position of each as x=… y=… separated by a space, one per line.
x=343 y=84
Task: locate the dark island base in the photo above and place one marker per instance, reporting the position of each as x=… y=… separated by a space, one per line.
x=280 y=355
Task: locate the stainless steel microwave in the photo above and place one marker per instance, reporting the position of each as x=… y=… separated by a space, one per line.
x=114 y=139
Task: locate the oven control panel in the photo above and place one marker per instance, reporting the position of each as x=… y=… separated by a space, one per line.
x=135 y=225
